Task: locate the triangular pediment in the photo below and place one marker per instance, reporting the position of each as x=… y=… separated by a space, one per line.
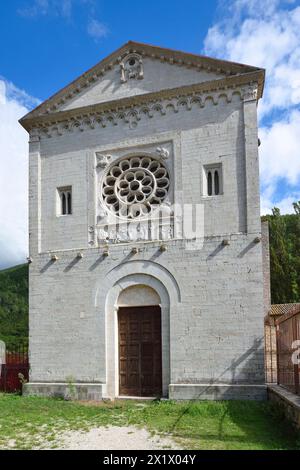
x=137 y=69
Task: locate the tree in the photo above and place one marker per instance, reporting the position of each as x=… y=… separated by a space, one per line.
x=296 y=206
x=285 y=255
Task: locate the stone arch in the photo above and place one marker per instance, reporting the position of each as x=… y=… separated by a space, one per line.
x=133 y=275
x=152 y=269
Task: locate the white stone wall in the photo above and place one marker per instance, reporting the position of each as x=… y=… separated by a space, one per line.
x=215 y=330
x=214 y=134
x=215 y=293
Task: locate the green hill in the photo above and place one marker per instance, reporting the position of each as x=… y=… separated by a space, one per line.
x=14 y=305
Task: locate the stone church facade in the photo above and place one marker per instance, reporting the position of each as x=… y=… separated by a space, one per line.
x=123 y=300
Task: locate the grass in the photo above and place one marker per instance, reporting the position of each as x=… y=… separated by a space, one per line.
x=32 y=422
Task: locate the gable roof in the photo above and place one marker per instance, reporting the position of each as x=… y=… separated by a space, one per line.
x=227 y=68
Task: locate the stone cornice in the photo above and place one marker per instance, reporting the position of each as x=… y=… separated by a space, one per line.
x=252 y=78
x=164 y=55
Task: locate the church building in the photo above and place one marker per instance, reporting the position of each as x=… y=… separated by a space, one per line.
x=146 y=269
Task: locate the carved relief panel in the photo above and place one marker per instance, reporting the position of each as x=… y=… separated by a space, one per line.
x=131 y=67
x=134 y=189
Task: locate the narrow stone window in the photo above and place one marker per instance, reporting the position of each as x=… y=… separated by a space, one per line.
x=217 y=188
x=209 y=183
x=69 y=202
x=64 y=200
x=212 y=180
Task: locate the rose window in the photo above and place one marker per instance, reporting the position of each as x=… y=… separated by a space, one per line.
x=135 y=187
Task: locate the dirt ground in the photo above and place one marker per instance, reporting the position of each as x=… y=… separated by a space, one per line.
x=114 y=438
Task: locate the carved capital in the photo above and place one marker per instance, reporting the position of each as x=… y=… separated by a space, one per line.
x=34 y=135
x=249 y=93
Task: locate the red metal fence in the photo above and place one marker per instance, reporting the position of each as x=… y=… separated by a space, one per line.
x=287 y=332
x=15 y=370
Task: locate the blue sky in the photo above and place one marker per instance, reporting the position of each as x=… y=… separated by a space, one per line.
x=45 y=44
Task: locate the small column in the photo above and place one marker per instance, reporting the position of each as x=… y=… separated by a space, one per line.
x=251 y=159
x=34 y=194
x=92 y=198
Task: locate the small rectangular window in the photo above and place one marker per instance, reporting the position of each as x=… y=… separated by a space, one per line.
x=213 y=180
x=65 y=200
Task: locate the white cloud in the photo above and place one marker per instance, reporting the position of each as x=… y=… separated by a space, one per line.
x=64 y=9
x=267 y=34
x=285 y=205
x=272 y=42
x=280 y=150
x=14 y=103
x=38 y=8
x=96 y=29
x=12 y=93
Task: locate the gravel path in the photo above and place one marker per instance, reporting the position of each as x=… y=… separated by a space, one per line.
x=114 y=438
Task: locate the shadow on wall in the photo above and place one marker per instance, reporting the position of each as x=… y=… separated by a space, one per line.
x=251 y=359
x=242 y=372
x=240 y=376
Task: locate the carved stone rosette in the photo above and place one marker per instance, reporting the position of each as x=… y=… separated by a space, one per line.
x=134 y=187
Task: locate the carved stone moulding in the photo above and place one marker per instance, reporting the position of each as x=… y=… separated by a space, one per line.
x=131 y=116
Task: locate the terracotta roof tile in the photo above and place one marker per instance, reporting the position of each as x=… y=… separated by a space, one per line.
x=281 y=309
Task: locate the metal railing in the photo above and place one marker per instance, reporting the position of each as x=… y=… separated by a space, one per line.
x=288 y=351
x=15 y=369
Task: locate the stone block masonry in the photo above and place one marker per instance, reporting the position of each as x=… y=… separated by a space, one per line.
x=188 y=113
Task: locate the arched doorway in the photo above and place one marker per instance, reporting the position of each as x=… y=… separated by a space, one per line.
x=139 y=342
x=108 y=302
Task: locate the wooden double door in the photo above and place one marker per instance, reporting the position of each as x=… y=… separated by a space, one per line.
x=140 y=352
